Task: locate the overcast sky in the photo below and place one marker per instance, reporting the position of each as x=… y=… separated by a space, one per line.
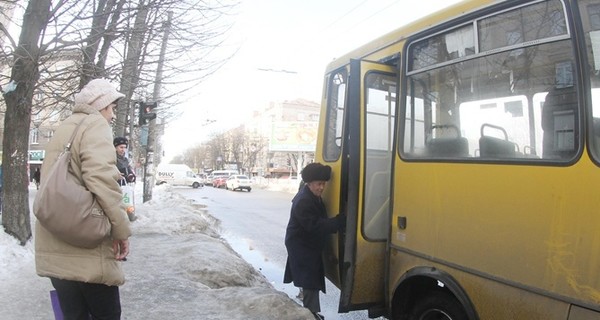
x=284 y=47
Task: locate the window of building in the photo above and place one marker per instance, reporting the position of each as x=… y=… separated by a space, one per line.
x=34 y=136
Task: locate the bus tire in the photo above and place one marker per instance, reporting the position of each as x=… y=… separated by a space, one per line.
x=437 y=305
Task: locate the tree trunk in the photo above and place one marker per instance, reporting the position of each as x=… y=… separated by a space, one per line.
x=18 y=94
x=131 y=72
x=88 y=68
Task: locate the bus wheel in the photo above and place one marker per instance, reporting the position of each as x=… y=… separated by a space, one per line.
x=438 y=305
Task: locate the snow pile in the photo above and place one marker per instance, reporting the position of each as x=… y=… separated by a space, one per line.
x=179 y=268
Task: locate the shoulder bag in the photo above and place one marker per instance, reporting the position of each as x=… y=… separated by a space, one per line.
x=67 y=209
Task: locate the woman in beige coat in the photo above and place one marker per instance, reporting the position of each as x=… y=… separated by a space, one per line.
x=87 y=280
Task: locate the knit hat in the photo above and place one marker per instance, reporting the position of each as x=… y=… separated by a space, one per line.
x=316 y=172
x=98 y=93
x=119 y=141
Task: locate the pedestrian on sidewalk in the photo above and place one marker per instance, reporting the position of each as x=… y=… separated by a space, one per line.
x=87 y=280
x=306 y=236
x=36 y=178
x=127 y=179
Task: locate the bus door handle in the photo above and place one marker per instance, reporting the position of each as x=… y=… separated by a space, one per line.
x=401 y=222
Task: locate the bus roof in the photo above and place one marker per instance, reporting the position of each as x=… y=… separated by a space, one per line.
x=386 y=45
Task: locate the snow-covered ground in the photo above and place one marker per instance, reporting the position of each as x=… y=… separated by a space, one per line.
x=179 y=268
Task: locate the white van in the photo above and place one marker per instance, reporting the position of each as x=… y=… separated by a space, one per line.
x=177 y=175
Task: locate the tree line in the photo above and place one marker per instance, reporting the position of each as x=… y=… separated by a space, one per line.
x=63 y=44
x=236 y=147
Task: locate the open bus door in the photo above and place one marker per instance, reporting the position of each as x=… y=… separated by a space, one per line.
x=363 y=186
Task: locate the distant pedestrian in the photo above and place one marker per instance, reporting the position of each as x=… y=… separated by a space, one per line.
x=307 y=234
x=127 y=173
x=36 y=178
x=87 y=280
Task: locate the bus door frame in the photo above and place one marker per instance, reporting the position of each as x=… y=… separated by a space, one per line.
x=353 y=165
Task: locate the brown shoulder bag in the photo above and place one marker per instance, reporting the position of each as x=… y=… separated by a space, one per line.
x=67 y=209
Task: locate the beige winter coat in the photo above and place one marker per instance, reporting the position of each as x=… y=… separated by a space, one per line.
x=94 y=164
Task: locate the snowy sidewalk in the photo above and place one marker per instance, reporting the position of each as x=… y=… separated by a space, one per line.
x=179 y=268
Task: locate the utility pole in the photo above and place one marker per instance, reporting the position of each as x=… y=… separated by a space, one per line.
x=151 y=145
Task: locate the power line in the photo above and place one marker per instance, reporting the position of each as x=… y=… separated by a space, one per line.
x=358 y=23
x=345 y=14
x=277 y=70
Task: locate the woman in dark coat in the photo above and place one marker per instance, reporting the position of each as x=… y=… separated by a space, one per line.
x=306 y=236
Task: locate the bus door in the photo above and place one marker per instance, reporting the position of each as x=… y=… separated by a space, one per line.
x=366 y=169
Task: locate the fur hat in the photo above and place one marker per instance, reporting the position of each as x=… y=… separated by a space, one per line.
x=316 y=172
x=119 y=141
x=98 y=93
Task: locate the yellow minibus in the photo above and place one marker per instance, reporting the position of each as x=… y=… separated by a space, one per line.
x=465 y=150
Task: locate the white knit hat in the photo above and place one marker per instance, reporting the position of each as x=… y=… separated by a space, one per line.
x=98 y=93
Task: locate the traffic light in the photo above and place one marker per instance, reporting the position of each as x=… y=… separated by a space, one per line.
x=146 y=114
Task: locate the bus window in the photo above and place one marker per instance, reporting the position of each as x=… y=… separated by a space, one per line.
x=514 y=98
x=380 y=108
x=590 y=18
x=336 y=91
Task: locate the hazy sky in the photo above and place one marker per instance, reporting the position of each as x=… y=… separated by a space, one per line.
x=293 y=39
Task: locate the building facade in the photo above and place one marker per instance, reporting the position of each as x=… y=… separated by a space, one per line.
x=288 y=130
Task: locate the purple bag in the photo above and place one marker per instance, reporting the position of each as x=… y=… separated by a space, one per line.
x=58 y=315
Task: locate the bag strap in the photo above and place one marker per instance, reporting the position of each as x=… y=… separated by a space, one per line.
x=68 y=145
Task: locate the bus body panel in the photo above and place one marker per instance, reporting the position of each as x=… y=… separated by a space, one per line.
x=536 y=237
x=492 y=299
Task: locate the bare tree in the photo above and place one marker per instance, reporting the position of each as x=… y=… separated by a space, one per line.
x=18 y=94
x=237 y=140
x=95 y=36
x=236 y=146
x=101 y=30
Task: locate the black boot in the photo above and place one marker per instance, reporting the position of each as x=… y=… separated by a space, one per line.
x=318 y=316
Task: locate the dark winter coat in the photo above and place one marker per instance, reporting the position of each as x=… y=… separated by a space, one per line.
x=125 y=169
x=305 y=238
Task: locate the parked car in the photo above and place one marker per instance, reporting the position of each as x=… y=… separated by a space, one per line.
x=219 y=182
x=220 y=174
x=240 y=182
x=202 y=177
x=208 y=181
